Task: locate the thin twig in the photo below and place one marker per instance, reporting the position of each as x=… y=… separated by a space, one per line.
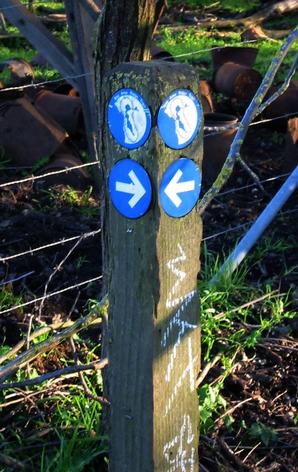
x=251 y=451
x=232 y=409
x=57 y=269
x=206 y=369
x=40 y=332
x=60 y=373
x=86 y=389
x=252 y=174
x=15 y=279
x=272 y=294
x=48 y=344
x=232 y=456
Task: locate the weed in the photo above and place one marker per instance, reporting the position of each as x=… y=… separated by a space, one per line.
x=8 y=298
x=262 y=433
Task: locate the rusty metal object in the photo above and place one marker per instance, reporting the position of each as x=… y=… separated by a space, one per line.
x=219 y=131
x=19 y=72
x=290 y=157
x=285 y=104
x=236 y=80
x=64 y=158
x=159 y=54
x=26 y=134
x=243 y=56
x=206 y=96
x=66 y=89
x=65 y=110
x=39 y=60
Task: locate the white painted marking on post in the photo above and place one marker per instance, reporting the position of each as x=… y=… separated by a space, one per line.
x=184 y=438
x=180 y=274
x=135 y=188
x=188 y=370
x=177 y=322
x=174 y=187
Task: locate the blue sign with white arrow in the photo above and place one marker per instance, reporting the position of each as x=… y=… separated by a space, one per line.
x=130 y=188
x=179 y=119
x=180 y=187
x=129 y=118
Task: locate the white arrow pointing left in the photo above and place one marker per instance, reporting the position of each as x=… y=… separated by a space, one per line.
x=135 y=188
x=174 y=187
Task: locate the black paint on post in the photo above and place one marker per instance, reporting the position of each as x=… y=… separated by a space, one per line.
x=151 y=276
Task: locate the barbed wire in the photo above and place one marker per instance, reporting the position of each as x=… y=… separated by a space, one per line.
x=244 y=187
x=46 y=82
x=94 y=279
x=48 y=174
x=52 y=294
x=95 y=232
x=243 y=225
x=64 y=171
x=53 y=244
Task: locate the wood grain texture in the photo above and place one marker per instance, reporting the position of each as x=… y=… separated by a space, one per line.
x=151 y=276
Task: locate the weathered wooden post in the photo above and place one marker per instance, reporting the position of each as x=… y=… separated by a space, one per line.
x=153 y=153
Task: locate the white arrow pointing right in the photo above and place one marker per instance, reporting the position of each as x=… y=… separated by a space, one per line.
x=135 y=188
x=174 y=187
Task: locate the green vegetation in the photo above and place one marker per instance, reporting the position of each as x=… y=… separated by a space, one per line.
x=235 y=6
x=193 y=45
x=231 y=324
x=55 y=427
x=8 y=298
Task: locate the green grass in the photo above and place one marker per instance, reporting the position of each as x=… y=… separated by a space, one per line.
x=63 y=434
x=193 y=46
x=234 y=6
x=8 y=298
x=228 y=329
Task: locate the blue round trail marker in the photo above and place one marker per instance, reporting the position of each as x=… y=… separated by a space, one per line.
x=130 y=188
x=179 y=119
x=180 y=187
x=129 y=118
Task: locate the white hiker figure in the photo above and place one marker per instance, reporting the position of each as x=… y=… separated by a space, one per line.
x=134 y=123
x=183 y=111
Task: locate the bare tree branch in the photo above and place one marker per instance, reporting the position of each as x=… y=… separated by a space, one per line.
x=275 y=9
x=40 y=332
x=97 y=365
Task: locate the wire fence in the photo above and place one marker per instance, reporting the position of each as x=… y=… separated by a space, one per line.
x=52 y=294
x=76 y=238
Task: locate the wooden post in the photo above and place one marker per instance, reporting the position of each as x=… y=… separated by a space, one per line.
x=151 y=278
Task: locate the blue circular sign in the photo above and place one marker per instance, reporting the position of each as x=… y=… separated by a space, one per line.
x=179 y=119
x=180 y=187
x=129 y=118
x=130 y=188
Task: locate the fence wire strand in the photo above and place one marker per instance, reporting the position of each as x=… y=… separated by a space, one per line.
x=236 y=228
x=48 y=174
x=53 y=244
x=52 y=294
x=64 y=171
